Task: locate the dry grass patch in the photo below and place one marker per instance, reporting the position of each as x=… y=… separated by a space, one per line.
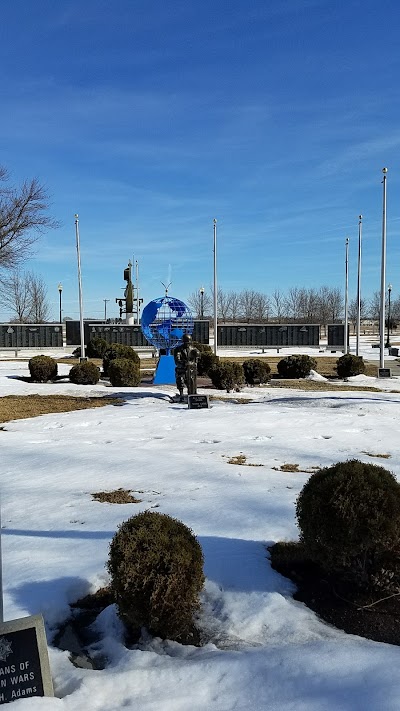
x=242 y=460
x=235 y=400
x=294 y=468
x=317 y=385
x=118 y=496
x=20 y=407
x=379 y=456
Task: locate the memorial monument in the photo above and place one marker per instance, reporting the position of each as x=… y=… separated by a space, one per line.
x=165 y=321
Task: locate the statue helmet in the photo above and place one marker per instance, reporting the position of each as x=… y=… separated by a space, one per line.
x=187 y=338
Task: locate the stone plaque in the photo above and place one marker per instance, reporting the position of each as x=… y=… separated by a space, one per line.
x=384 y=373
x=197 y=402
x=24 y=662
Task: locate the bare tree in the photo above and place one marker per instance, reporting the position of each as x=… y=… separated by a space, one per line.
x=25 y=294
x=278 y=304
x=374 y=306
x=292 y=303
x=201 y=304
x=234 y=306
x=23 y=216
x=248 y=299
x=335 y=301
x=353 y=311
x=39 y=312
x=223 y=304
x=14 y=295
x=262 y=307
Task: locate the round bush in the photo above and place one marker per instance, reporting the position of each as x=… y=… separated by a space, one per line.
x=227 y=375
x=296 y=366
x=207 y=358
x=124 y=372
x=117 y=350
x=156 y=568
x=96 y=347
x=85 y=373
x=349 y=519
x=349 y=365
x=42 y=368
x=256 y=371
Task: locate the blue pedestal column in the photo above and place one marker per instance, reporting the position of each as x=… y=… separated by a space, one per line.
x=165 y=371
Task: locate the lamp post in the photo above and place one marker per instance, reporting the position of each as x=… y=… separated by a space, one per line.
x=383 y=277
x=388 y=322
x=202 y=302
x=60 y=293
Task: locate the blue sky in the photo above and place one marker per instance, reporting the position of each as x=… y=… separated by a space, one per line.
x=151 y=117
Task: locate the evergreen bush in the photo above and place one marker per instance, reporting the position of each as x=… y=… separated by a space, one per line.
x=156 y=568
x=42 y=368
x=349 y=365
x=256 y=371
x=117 y=350
x=296 y=366
x=96 y=347
x=349 y=520
x=85 y=373
x=227 y=375
x=124 y=372
x=207 y=358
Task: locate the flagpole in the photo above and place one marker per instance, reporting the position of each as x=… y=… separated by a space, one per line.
x=215 y=289
x=383 y=277
x=359 y=287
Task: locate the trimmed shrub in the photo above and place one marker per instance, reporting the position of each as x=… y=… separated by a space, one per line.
x=256 y=371
x=349 y=520
x=117 y=350
x=207 y=358
x=96 y=347
x=85 y=373
x=42 y=368
x=296 y=366
x=156 y=568
x=349 y=365
x=124 y=372
x=227 y=375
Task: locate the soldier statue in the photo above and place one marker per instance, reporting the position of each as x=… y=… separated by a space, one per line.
x=186 y=357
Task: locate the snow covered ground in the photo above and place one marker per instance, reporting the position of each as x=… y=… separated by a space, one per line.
x=265 y=651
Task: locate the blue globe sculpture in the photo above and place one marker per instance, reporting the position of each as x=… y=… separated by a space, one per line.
x=165 y=321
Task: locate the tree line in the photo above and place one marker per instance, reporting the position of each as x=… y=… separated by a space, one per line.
x=299 y=304
x=24 y=216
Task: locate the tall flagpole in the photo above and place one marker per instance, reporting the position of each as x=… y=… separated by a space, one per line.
x=383 y=278
x=215 y=290
x=359 y=286
x=78 y=252
x=346 y=301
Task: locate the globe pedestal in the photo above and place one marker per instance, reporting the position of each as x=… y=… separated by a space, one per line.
x=165 y=371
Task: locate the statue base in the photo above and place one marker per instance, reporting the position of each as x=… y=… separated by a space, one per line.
x=165 y=371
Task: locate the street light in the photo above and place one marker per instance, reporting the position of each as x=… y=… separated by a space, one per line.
x=202 y=302
x=388 y=323
x=60 y=293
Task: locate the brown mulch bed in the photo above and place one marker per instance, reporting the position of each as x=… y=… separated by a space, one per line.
x=354 y=612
